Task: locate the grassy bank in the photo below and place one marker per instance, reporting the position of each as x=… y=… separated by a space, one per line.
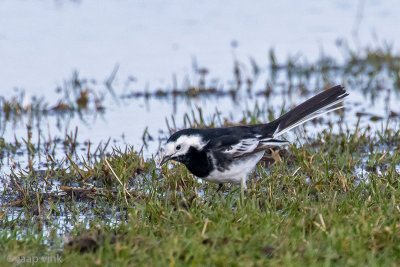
x=313 y=206
x=330 y=198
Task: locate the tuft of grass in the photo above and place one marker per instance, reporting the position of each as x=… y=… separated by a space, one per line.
x=328 y=199
x=310 y=207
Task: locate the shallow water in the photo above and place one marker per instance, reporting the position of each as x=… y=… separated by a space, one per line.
x=152 y=45
x=42 y=42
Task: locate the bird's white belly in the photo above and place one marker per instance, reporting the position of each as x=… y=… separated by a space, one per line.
x=238 y=171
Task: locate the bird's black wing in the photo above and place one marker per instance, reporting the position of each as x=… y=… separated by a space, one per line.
x=222 y=142
x=234 y=146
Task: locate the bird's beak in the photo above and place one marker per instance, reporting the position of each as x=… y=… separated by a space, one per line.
x=165 y=159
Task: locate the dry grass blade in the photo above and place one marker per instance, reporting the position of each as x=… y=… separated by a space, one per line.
x=126 y=192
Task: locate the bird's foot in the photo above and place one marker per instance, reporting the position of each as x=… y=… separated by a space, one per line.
x=219 y=187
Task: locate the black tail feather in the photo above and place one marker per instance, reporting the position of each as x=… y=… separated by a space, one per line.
x=322 y=102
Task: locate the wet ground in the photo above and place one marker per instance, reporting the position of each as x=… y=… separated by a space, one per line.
x=138 y=82
x=151 y=46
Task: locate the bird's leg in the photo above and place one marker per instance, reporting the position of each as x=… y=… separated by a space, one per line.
x=212 y=199
x=243 y=184
x=243 y=188
x=219 y=187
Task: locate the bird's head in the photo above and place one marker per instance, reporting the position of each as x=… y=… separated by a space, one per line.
x=179 y=144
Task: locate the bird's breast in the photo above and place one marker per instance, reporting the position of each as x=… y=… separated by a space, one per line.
x=237 y=170
x=198 y=162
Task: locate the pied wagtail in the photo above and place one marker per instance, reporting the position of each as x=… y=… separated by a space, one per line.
x=227 y=155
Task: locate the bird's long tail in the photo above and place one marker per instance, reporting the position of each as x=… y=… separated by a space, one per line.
x=322 y=103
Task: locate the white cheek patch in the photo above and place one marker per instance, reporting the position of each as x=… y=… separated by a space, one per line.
x=185 y=142
x=192 y=140
x=170 y=148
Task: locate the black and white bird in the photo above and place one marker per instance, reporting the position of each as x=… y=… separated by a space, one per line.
x=227 y=155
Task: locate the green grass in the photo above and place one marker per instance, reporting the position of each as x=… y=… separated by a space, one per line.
x=324 y=214
x=329 y=199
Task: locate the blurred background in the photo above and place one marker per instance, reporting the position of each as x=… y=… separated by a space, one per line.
x=57 y=54
x=43 y=41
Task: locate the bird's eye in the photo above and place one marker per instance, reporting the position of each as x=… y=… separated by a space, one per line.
x=178 y=147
